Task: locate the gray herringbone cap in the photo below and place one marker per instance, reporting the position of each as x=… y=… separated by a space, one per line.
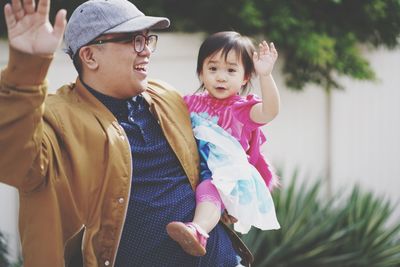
x=97 y=17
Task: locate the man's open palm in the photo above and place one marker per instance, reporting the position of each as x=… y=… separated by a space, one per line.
x=29 y=30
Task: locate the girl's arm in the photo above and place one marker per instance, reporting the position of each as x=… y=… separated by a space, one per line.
x=264 y=61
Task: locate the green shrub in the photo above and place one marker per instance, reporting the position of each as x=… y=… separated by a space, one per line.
x=327 y=232
x=4 y=262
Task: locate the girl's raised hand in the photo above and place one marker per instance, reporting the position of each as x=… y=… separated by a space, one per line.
x=265 y=59
x=29 y=28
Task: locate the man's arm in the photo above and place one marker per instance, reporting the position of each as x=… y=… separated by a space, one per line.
x=33 y=42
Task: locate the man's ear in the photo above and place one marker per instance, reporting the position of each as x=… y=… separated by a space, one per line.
x=88 y=58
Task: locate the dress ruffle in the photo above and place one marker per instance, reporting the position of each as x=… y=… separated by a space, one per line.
x=241 y=187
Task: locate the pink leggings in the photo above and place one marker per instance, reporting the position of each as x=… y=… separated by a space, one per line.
x=206 y=192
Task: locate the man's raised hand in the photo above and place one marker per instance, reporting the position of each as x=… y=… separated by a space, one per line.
x=29 y=28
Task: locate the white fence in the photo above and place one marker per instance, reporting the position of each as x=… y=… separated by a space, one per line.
x=365 y=120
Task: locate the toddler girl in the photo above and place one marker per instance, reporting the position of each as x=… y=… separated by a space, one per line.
x=234 y=175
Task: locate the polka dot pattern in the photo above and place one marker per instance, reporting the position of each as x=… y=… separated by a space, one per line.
x=160 y=193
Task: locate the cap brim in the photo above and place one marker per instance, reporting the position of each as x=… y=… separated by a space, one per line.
x=140 y=24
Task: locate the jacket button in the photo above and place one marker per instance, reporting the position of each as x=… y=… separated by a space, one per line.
x=121 y=200
x=107 y=263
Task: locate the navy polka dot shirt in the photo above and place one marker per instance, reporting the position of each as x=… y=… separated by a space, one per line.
x=160 y=193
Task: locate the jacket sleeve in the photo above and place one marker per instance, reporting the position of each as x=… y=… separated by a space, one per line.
x=22 y=92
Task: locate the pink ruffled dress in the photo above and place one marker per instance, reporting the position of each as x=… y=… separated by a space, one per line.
x=229 y=141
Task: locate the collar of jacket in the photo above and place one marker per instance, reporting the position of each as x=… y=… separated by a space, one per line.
x=167 y=105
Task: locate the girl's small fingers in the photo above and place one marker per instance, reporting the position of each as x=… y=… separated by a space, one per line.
x=261 y=48
x=255 y=55
x=261 y=45
x=266 y=47
x=273 y=47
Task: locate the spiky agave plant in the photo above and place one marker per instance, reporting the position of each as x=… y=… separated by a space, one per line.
x=3 y=251
x=4 y=262
x=353 y=232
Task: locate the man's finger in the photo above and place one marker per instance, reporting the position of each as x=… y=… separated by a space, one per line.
x=60 y=22
x=17 y=9
x=10 y=18
x=29 y=6
x=44 y=7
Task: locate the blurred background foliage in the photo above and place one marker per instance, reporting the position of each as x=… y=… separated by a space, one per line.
x=317 y=231
x=319 y=40
x=3 y=251
x=4 y=261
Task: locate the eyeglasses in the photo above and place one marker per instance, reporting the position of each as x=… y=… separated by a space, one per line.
x=139 y=41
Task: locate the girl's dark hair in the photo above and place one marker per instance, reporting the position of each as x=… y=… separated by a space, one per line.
x=225 y=42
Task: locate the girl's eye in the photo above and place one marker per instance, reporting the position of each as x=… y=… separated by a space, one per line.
x=212 y=68
x=231 y=70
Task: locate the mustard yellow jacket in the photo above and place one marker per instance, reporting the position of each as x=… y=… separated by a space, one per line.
x=71 y=163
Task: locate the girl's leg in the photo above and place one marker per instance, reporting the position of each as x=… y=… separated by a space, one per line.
x=192 y=236
x=208 y=206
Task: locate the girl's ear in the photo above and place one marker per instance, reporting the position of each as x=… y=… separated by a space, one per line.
x=201 y=77
x=87 y=57
x=245 y=80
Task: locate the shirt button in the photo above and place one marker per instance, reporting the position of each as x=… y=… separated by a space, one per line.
x=123 y=137
x=107 y=263
x=121 y=200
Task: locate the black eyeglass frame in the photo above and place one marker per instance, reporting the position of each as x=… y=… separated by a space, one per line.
x=128 y=39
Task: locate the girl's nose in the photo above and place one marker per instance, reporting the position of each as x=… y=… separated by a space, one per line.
x=221 y=77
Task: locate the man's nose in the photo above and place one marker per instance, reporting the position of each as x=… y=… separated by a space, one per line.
x=146 y=51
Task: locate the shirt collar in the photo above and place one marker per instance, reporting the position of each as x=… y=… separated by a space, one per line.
x=118 y=107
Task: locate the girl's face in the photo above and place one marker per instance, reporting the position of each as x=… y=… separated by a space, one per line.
x=223 y=78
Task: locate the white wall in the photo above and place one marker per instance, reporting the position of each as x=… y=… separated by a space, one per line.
x=366 y=129
x=365 y=119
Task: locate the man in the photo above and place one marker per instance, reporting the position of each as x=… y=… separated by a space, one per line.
x=104 y=164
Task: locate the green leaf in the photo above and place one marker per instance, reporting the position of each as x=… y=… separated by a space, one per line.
x=352 y=232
